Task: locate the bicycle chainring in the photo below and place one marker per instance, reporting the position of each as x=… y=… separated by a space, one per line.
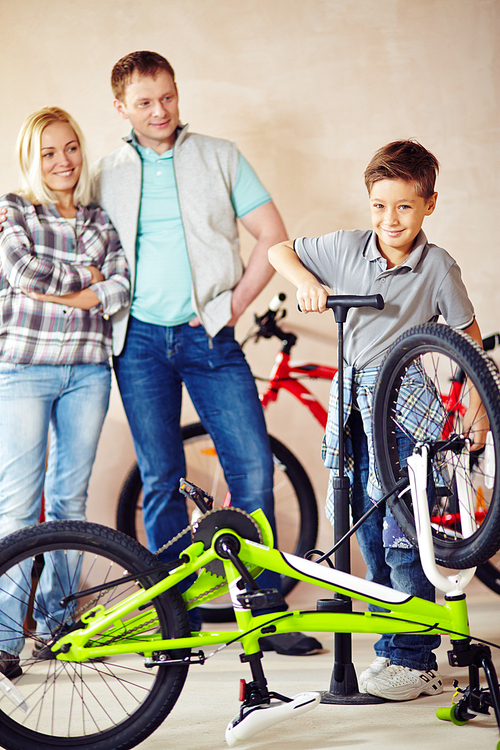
x=224 y=518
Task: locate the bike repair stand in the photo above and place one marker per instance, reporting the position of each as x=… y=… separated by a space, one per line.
x=344 y=683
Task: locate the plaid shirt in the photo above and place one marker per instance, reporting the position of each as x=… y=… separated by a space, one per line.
x=428 y=421
x=41 y=252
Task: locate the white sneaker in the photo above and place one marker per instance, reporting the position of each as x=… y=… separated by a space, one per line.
x=397 y=683
x=376 y=667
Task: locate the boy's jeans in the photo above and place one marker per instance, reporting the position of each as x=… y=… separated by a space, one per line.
x=71 y=401
x=398 y=568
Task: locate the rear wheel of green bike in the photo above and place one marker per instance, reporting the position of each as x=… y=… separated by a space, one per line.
x=97 y=704
x=420 y=367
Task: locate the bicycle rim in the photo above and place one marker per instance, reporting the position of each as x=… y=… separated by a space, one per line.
x=412 y=400
x=115 y=702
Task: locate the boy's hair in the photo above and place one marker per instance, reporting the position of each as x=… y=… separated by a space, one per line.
x=404 y=160
x=29 y=154
x=144 y=62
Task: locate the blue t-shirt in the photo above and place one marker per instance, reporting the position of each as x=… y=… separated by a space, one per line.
x=163 y=281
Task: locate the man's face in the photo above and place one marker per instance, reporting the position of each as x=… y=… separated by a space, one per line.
x=152 y=106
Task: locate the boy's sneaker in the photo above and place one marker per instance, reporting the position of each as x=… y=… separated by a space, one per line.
x=397 y=683
x=376 y=667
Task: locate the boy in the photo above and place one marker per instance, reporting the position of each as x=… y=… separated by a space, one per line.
x=418 y=282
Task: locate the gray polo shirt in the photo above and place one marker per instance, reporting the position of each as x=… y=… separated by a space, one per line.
x=426 y=285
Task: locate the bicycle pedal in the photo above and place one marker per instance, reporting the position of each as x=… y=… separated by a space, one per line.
x=254 y=719
x=259 y=599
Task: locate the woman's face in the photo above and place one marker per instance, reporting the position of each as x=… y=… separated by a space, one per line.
x=61 y=158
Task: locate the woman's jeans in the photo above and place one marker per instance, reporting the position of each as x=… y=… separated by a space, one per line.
x=70 y=402
x=151 y=369
x=395 y=567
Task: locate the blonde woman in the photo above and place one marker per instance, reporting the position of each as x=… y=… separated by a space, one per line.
x=63 y=275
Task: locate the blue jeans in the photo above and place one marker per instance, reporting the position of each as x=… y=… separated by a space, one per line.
x=70 y=402
x=151 y=369
x=395 y=567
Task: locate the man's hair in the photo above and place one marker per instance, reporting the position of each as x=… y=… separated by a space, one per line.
x=404 y=160
x=29 y=154
x=144 y=62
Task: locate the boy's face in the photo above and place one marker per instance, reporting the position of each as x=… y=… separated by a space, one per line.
x=397 y=216
x=152 y=106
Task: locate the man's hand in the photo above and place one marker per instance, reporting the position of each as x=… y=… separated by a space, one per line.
x=3 y=217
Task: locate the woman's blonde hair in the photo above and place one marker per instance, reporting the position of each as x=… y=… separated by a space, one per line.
x=30 y=159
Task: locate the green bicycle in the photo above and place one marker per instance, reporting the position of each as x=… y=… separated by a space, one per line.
x=115 y=644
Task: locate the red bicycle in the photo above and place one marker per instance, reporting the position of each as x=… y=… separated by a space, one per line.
x=295 y=502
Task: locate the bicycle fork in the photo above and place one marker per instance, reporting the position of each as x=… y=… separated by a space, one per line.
x=475 y=700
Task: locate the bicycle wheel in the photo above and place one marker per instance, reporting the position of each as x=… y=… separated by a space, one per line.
x=93 y=705
x=294 y=500
x=409 y=402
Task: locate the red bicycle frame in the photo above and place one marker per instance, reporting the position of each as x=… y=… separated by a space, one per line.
x=282 y=376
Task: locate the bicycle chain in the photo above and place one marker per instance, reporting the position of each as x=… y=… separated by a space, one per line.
x=191 y=527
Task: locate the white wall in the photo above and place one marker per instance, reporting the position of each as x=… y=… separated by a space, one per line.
x=308 y=90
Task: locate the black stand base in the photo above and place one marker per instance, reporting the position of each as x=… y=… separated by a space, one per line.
x=343 y=682
x=346 y=692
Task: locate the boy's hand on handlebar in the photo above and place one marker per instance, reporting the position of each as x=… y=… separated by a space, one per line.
x=311 y=297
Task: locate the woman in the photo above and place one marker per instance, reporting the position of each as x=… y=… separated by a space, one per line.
x=62 y=275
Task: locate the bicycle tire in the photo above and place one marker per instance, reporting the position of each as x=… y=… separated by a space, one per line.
x=93 y=705
x=440 y=351
x=295 y=502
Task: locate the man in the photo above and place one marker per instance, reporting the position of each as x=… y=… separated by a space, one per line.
x=174 y=198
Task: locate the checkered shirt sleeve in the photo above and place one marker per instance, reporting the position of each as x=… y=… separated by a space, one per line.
x=41 y=252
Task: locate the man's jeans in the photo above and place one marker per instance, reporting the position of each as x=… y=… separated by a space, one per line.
x=150 y=371
x=398 y=568
x=71 y=401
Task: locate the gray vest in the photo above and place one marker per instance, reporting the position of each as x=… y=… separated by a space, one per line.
x=205 y=170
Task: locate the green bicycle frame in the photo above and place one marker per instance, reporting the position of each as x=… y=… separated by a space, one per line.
x=402 y=613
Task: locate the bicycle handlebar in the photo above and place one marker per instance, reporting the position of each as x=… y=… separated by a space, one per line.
x=268 y=323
